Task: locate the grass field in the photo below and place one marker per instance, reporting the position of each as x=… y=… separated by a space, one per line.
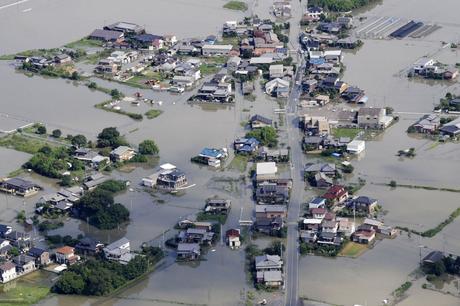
x=352 y=249
x=23 y=295
x=236 y=5
x=22 y=143
x=239 y=162
x=207 y=69
x=84 y=42
x=345 y=132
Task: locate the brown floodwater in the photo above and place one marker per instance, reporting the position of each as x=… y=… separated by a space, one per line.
x=183 y=130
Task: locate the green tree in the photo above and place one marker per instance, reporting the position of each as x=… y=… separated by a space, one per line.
x=69 y=283
x=56 y=133
x=14 y=251
x=109 y=137
x=116 y=94
x=79 y=141
x=148 y=147
x=41 y=130
x=66 y=181
x=267 y=136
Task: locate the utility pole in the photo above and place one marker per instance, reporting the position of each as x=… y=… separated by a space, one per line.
x=354 y=212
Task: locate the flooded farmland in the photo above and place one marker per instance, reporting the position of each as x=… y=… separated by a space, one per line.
x=182 y=130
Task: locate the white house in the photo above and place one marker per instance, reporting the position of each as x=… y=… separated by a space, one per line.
x=119 y=251
x=356 y=146
x=422 y=63
x=184 y=81
x=278 y=87
x=8 y=272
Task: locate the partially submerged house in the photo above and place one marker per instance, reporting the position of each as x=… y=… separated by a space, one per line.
x=428 y=124
x=269 y=270
x=19 y=186
x=218 y=206
x=362 y=204
x=122 y=153
x=373 y=118
x=246 y=145
x=275 y=192
x=188 y=251
x=196 y=235
x=171 y=180
x=233 y=238
x=356 y=146
x=211 y=157
x=258 y=121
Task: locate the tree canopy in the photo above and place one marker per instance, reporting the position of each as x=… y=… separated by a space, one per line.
x=99 y=277
x=79 y=140
x=100 y=208
x=266 y=135
x=110 y=137
x=148 y=147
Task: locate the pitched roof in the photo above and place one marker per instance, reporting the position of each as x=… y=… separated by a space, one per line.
x=7 y=266
x=106 y=34
x=369 y=111
x=66 y=250
x=261 y=119
x=334 y=192
x=433 y=257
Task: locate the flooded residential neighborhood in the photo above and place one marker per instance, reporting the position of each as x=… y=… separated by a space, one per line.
x=218 y=152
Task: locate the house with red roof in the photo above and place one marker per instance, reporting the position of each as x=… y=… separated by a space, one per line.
x=336 y=194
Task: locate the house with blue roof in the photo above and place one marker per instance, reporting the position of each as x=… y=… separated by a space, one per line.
x=246 y=145
x=211 y=157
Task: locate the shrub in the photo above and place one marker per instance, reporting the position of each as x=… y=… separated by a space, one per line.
x=56 y=133
x=41 y=130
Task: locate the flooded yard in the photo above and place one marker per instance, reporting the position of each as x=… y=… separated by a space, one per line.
x=183 y=129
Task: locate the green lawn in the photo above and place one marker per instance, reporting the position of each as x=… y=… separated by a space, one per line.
x=352 y=249
x=84 y=42
x=207 y=69
x=235 y=41
x=153 y=113
x=345 y=132
x=236 y=5
x=23 y=295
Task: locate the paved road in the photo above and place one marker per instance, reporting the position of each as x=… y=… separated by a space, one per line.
x=297 y=162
